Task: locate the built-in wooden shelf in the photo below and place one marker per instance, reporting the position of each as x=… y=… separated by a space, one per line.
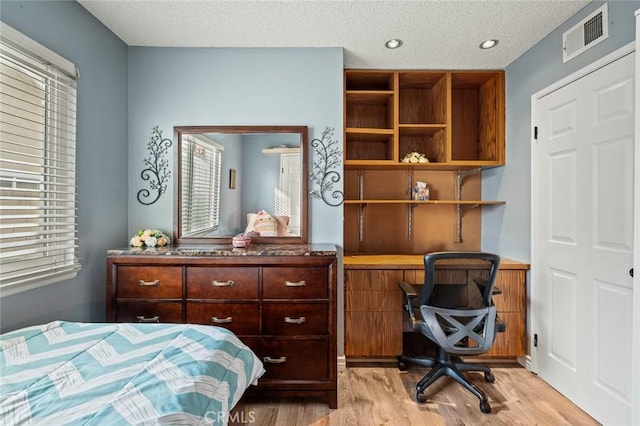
x=419 y=202
x=455 y=119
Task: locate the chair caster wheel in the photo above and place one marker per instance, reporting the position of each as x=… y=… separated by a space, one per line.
x=402 y=366
x=421 y=398
x=485 y=407
x=489 y=377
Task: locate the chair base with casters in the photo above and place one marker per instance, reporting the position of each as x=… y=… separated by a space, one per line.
x=458 y=320
x=446 y=365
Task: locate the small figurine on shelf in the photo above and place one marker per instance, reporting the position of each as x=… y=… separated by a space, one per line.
x=415 y=157
x=421 y=191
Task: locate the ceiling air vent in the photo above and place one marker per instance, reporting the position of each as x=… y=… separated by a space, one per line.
x=586 y=34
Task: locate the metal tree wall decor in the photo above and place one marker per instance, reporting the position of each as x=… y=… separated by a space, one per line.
x=326 y=156
x=157 y=168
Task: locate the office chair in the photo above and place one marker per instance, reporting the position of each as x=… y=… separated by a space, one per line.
x=459 y=317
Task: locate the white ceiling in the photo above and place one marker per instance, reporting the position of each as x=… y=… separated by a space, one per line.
x=441 y=34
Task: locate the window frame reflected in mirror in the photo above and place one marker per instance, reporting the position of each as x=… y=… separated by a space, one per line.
x=180 y=180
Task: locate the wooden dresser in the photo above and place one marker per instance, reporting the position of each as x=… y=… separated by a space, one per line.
x=279 y=299
x=374 y=312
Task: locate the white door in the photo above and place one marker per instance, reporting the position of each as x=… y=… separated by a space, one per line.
x=288 y=194
x=584 y=244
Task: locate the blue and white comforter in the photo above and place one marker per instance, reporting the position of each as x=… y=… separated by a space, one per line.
x=114 y=374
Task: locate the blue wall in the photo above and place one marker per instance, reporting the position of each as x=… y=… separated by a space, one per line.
x=225 y=86
x=230 y=199
x=258 y=183
x=506 y=229
x=69 y=30
x=124 y=92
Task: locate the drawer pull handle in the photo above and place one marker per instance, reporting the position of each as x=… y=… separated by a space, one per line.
x=290 y=320
x=295 y=283
x=142 y=318
x=217 y=283
x=217 y=320
x=270 y=360
x=154 y=283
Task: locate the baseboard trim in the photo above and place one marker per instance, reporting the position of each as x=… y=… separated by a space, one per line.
x=342 y=363
x=359 y=361
x=525 y=361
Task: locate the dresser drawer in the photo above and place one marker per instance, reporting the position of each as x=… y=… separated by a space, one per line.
x=149 y=312
x=149 y=282
x=294 y=283
x=292 y=319
x=292 y=359
x=222 y=282
x=241 y=318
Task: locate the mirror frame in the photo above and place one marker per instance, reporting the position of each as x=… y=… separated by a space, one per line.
x=177 y=205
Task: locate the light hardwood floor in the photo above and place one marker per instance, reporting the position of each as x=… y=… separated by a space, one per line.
x=383 y=395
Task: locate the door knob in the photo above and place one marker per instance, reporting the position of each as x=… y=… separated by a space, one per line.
x=631 y=272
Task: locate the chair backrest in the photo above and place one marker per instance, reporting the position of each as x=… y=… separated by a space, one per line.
x=456 y=305
x=441 y=288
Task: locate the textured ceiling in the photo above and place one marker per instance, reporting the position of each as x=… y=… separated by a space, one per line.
x=436 y=34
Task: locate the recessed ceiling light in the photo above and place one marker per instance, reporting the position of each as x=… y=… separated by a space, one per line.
x=488 y=44
x=394 y=43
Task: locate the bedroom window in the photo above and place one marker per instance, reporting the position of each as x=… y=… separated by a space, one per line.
x=201 y=201
x=37 y=165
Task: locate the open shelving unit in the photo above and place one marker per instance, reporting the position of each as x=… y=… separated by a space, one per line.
x=455 y=118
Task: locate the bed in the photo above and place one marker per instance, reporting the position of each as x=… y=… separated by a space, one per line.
x=93 y=373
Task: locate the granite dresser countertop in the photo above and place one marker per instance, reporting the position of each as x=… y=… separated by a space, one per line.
x=228 y=250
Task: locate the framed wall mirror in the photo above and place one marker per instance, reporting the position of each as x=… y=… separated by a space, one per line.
x=238 y=179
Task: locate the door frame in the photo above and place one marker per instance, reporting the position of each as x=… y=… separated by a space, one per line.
x=531 y=361
x=281 y=181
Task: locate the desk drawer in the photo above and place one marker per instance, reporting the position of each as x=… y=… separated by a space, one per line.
x=241 y=318
x=222 y=283
x=295 y=319
x=149 y=282
x=294 y=283
x=292 y=359
x=170 y=312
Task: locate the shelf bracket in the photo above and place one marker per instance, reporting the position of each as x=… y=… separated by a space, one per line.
x=410 y=218
x=360 y=223
x=461 y=211
x=410 y=210
x=460 y=177
x=361 y=207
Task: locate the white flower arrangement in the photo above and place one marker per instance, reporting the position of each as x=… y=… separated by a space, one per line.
x=149 y=238
x=415 y=157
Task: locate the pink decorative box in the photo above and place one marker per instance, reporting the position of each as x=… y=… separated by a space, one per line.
x=241 y=241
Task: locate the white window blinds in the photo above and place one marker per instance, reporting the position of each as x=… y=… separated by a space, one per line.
x=201 y=199
x=37 y=165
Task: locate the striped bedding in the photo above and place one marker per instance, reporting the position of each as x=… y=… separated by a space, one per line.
x=116 y=374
